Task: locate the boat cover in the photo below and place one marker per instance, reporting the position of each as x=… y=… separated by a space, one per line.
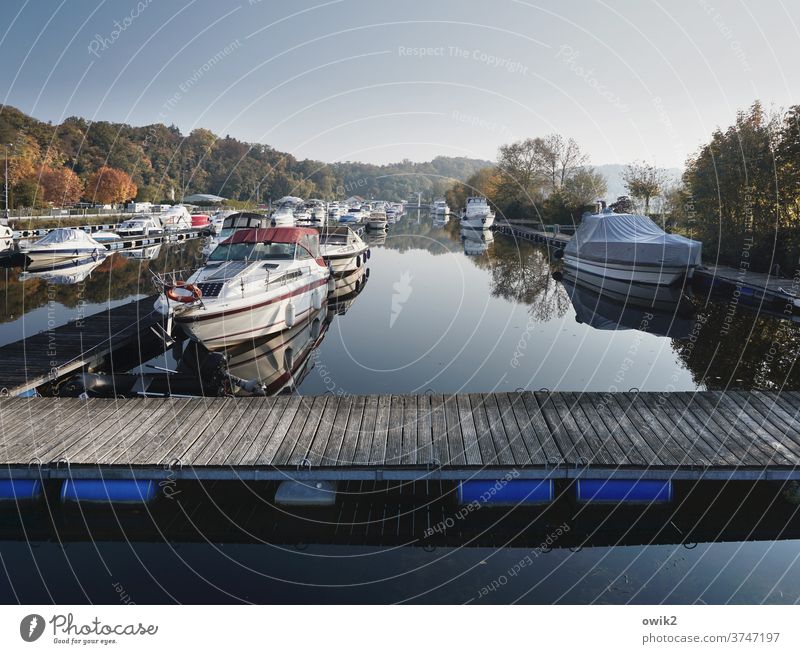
x=73 y=237
x=624 y=238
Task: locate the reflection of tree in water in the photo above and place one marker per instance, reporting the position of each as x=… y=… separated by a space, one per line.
x=522 y=272
x=757 y=352
x=114 y=279
x=408 y=235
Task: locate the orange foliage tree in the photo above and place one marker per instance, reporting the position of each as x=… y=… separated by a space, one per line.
x=109 y=185
x=61 y=186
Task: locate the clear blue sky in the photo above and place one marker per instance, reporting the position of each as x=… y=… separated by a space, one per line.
x=378 y=81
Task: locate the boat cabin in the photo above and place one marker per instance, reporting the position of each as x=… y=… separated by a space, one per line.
x=282 y=243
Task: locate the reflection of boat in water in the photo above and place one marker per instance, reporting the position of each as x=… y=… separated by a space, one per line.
x=342 y=249
x=630 y=248
x=613 y=305
x=347 y=284
x=476 y=241
x=255 y=283
x=279 y=363
x=72 y=272
x=143 y=254
x=375 y=238
x=62 y=245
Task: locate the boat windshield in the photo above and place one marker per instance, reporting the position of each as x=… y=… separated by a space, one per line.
x=252 y=251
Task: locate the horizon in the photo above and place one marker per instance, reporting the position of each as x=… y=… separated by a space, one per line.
x=348 y=81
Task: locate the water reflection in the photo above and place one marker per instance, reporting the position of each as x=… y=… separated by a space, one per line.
x=476 y=242
x=609 y=304
x=72 y=272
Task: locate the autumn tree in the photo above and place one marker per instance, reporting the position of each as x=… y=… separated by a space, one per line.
x=559 y=159
x=61 y=186
x=644 y=181
x=110 y=185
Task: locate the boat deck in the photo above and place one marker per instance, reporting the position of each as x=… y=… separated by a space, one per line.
x=704 y=435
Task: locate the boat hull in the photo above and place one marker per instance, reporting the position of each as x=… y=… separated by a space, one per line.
x=221 y=329
x=63 y=256
x=659 y=275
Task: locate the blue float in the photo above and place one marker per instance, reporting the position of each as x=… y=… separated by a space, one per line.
x=633 y=491
x=506 y=492
x=20 y=489
x=109 y=490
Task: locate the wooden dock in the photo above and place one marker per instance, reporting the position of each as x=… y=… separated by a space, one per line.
x=556 y=238
x=51 y=354
x=682 y=436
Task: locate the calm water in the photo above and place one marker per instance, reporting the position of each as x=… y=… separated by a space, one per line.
x=446 y=314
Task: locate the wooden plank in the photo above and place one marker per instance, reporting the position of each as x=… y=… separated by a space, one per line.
x=258 y=442
x=483 y=431
x=532 y=439
x=570 y=442
x=380 y=439
x=394 y=441
x=367 y=433
x=468 y=432
x=771 y=438
x=635 y=436
x=576 y=423
x=587 y=418
x=544 y=435
x=90 y=448
x=331 y=457
x=352 y=431
x=295 y=445
x=455 y=441
x=734 y=430
x=513 y=433
x=441 y=453
x=216 y=450
x=762 y=420
x=424 y=430
x=42 y=427
x=409 y=450
x=665 y=447
x=694 y=415
x=657 y=412
x=316 y=452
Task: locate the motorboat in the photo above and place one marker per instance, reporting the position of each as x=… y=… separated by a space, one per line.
x=64 y=273
x=477 y=214
x=200 y=220
x=343 y=250
x=378 y=219
x=284 y=217
x=334 y=210
x=234 y=222
x=317 y=211
x=352 y=215
x=143 y=226
x=176 y=218
x=106 y=237
x=63 y=244
x=303 y=218
x=218 y=219
x=632 y=248
x=255 y=283
x=440 y=207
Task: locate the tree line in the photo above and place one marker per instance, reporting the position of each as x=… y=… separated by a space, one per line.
x=108 y=162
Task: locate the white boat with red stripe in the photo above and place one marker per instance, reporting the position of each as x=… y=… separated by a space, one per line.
x=256 y=283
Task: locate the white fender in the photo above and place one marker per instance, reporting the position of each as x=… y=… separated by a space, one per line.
x=316 y=299
x=290 y=314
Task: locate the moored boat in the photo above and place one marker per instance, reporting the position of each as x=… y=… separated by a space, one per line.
x=256 y=283
x=477 y=214
x=343 y=250
x=631 y=248
x=440 y=207
x=63 y=244
x=144 y=226
x=378 y=219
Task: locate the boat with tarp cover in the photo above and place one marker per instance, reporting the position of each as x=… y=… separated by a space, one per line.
x=632 y=248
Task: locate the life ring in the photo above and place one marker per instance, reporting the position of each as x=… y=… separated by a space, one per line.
x=194 y=293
